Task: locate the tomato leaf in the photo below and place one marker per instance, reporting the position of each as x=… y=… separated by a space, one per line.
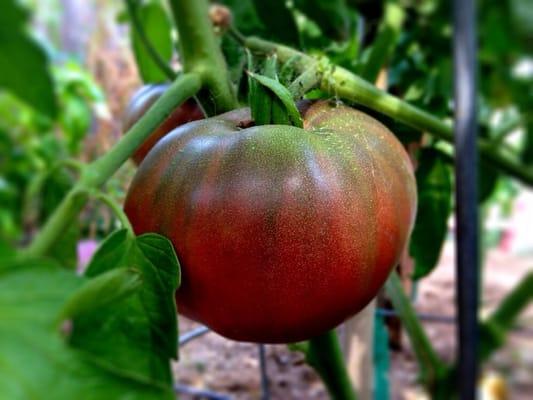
x=154 y=305
x=270 y=20
x=434 y=184
x=103 y=290
x=279 y=19
x=488 y=179
x=157 y=27
x=37 y=356
x=24 y=68
x=330 y=15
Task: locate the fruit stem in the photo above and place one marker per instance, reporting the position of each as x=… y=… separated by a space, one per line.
x=99 y=171
x=201 y=53
x=341 y=83
x=324 y=354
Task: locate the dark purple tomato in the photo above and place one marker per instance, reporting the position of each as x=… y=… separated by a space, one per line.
x=282 y=232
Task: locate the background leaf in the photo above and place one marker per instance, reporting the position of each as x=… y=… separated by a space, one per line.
x=267 y=19
x=158 y=28
x=434 y=186
x=23 y=63
x=330 y=15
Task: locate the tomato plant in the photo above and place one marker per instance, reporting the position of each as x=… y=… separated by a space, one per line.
x=284 y=217
x=282 y=232
x=141 y=101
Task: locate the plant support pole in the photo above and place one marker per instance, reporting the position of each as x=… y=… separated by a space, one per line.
x=467 y=258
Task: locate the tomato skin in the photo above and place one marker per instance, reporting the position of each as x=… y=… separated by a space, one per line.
x=141 y=101
x=282 y=233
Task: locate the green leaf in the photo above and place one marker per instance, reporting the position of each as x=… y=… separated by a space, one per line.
x=157 y=27
x=330 y=15
x=245 y=17
x=488 y=180
x=434 y=185
x=7 y=252
x=37 y=358
x=385 y=42
x=278 y=19
x=153 y=305
x=23 y=63
x=103 y=290
x=527 y=153
x=267 y=19
x=76 y=118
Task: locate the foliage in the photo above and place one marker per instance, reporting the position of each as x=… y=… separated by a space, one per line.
x=47 y=107
x=24 y=68
x=89 y=337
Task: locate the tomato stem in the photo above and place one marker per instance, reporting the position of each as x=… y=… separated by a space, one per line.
x=99 y=171
x=341 y=83
x=116 y=209
x=201 y=53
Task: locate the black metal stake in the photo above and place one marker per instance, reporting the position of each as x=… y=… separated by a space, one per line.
x=265 y=386
x=467 y=259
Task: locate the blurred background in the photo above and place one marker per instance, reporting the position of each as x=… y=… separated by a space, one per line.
x=94 y=72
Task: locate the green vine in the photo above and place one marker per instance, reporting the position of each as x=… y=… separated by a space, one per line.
x=99 y=171
x=201 y=54
x=340 y=82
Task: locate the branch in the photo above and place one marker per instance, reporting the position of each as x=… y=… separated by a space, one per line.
x=201 y=54
x=99 y=171
x=342 y=83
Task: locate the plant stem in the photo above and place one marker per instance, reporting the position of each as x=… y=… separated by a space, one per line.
x=117 y=211
x=432 y=368
x=99 y=171
x=200 y=53
x=306 y=81
x=342 y=83
x=324 y=354
x=503 y=318
x=154 y=54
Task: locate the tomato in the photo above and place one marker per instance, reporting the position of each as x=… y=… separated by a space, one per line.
x=282 y=232
x=141 y=101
